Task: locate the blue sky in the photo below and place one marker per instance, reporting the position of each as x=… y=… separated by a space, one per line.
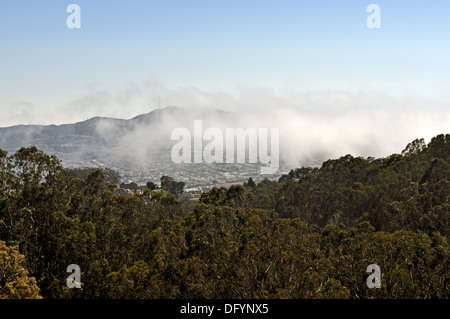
x=215 y=46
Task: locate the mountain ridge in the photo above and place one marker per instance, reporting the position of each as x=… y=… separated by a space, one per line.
x=154 y=111
x=16 y=136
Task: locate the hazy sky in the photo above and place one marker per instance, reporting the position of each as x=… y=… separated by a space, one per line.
x=255 y=55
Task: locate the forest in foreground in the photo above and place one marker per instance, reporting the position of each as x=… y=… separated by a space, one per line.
x=311 y=234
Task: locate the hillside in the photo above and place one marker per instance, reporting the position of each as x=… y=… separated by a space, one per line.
x=311 y=235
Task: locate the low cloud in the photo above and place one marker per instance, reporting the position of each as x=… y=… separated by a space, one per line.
x=313 y=124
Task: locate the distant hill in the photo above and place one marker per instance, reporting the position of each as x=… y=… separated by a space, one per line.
x=93 y=134
x=138 y=148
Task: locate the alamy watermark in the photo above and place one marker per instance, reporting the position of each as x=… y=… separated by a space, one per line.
x=73 y=21
x=374 y=20
x=74 y=280
x=374 y=280
x=213 y=152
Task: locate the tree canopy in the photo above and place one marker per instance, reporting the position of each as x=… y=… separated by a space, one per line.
x=312 y=234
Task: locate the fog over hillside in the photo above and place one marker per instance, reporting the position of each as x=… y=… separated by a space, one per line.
x=314 y=126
